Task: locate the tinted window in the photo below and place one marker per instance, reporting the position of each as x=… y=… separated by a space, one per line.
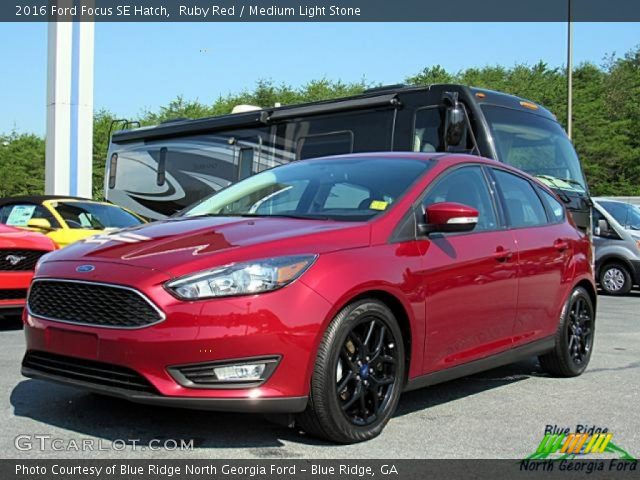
x=555 y=208
x=523 y=205
x=633 y=219
x=325 y=144
x=426 y=136
x=350 y=189
x=536 y=145
x=245 y=163
x=467 y=186
x=617 y=211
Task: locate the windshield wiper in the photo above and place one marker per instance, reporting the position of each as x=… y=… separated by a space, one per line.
x=555 y=181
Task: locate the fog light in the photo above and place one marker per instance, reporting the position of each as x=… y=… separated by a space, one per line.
x=244 y=373
x=236 y=373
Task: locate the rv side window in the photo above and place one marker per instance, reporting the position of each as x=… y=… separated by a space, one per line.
x=426 y=132
x=325 y=144
x=113 y=165
x=245 y=163
x=162 y=167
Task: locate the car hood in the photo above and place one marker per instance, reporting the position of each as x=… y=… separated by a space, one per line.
x=18 y=238
x=184 y=245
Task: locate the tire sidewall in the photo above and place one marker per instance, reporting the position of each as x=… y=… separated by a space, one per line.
x=347 y=319
x=563 y=338
x=627 y=279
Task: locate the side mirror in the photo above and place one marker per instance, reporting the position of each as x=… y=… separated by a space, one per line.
x=40 y=224
x=448 y=217
x=455 y=121
x=603 y=227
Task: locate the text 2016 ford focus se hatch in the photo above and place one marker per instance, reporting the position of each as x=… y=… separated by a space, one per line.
x=322 y=288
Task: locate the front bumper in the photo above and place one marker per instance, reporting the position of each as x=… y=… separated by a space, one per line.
x=10 y=282
x=286 y=323
x=247 y=405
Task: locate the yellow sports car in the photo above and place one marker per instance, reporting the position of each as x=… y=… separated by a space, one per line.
x=65 y=220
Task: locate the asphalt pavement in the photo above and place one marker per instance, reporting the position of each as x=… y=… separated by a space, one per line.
x=500 y=413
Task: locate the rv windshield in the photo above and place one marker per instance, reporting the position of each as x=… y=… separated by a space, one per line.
x=347 y=189
x=537 y=145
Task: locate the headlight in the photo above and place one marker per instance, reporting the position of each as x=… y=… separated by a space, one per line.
x=242 y=278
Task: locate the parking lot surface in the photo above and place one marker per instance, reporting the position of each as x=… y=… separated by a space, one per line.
x=501 y=413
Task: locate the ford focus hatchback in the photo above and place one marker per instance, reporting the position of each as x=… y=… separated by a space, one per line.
x=323 y=288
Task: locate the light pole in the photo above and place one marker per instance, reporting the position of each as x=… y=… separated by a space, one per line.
x=569 y=73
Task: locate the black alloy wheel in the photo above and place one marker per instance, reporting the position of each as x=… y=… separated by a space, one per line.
x=580 y=330
x=366 y=371
x=574 y=337
x=358 y=375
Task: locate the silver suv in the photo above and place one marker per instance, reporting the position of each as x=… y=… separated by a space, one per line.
x=617 y=252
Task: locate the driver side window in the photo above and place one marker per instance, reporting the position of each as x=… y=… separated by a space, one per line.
x=468 y=186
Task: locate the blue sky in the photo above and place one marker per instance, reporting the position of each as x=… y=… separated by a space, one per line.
x=142 y=66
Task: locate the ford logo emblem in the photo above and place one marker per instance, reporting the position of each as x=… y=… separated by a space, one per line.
x=85 y=268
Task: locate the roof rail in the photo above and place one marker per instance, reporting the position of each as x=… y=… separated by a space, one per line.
x=384 y=88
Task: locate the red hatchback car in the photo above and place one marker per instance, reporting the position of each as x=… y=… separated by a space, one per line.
x=19 y=252
x=323 y=288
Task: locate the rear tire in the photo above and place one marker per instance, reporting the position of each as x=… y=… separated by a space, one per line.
x=574 y=338
x=358 y=376
x=615 y=279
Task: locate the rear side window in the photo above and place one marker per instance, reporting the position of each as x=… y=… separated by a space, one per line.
x=555 y=208
x=521 y=202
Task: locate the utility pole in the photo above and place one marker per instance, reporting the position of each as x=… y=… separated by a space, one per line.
x=569 y=73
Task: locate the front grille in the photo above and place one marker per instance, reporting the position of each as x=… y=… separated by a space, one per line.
x=91 y=304
x=19 y=260
x=98 y=373
x=13 y=294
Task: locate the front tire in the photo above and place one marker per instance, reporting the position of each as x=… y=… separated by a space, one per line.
x=358 y=376
x=574 y=338
x=615 y=279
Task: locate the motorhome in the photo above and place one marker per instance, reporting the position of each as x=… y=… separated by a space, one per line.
x=157 y=171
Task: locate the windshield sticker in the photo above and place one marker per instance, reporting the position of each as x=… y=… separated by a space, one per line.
x=20 y=215
x=378 y=205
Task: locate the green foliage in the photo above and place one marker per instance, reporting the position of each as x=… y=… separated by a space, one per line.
x=606 y=117
x=21 y=164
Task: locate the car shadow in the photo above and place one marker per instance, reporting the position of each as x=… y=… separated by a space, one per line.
x=9 y=323
x=442 y=393
x=115 y=419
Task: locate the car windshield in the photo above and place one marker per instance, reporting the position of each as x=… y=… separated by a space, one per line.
x=95 y=216
x=634 y=218
x=347 y=189
x=536 y=145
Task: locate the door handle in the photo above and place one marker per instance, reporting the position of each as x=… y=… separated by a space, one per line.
x=502 y=254
x=561 y=245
